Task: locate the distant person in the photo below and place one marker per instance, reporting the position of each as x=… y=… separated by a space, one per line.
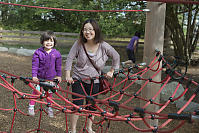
x=131 y=49
x=46 y=64
x=98 y=51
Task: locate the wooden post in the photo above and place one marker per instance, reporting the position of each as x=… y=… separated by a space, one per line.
x=154 y=39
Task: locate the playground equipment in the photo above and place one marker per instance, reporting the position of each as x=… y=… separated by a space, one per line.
x=117 y=105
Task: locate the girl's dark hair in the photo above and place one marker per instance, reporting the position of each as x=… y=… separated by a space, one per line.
x=137 y=34
x=48 y=35
x=98 y=35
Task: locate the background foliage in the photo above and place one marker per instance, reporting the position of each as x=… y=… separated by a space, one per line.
x=182 y=21
x=112 y=23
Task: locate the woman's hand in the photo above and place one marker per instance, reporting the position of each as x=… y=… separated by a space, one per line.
x=69 y=79
x=110 y=73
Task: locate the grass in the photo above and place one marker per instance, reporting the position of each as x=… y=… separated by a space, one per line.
x=61 y=49
x=64 y=45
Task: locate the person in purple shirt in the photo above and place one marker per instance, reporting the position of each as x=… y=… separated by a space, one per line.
x=132 y=48
x=46 y=64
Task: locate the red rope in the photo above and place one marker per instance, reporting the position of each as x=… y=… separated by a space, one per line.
x=76 y=10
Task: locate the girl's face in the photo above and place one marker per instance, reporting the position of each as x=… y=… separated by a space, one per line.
x=48 y=44
x=89 y=32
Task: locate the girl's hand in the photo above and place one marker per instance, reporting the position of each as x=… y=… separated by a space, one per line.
x=58 y=78
x=135 y=51
x=35 y=79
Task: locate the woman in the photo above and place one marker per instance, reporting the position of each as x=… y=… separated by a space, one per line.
x=99 y=52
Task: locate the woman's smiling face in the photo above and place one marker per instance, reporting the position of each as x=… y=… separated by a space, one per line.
x=89 y=32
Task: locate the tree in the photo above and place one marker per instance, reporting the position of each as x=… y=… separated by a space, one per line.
x=183 y=23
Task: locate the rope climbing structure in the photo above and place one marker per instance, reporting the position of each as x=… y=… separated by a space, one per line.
x=120 y=103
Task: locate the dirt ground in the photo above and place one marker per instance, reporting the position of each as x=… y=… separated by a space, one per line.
x=21 y=66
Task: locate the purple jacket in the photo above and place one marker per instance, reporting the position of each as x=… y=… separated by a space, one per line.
x=133 y=39
x=46 y=66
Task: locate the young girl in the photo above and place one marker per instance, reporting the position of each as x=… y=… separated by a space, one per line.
x=46 y=64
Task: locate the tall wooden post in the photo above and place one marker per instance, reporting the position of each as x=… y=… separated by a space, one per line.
x=154 y=39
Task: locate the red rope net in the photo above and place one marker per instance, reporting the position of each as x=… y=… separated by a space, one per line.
x=119 y=104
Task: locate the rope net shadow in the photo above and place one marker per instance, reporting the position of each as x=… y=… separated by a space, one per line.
x=120 y=103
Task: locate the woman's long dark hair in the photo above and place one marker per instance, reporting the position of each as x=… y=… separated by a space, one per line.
x=98 y=35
